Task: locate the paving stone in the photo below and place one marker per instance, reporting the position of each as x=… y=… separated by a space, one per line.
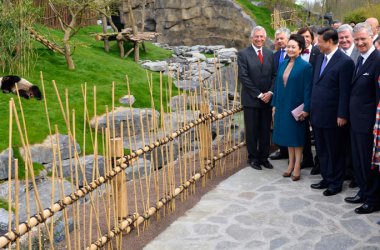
x=245 y=219
x=270 y=233
x=247 y=195
x=293 y=204
x=321 y=198
x=239 y=233
x=305 y=221
x=218 y=219
x=278 y=220
x=374 y=239
x=329 y=209
x=300 y=246
x=227 y=245
x=311 y=235
x=338 y=241
x=367 y=248
x=349 y=214
x=255 y=244
x=233 y=209
x=268 y=188
x=357 y=227
x=279 y=242
x=265 y=197
x=205 y=229
x=314 y=213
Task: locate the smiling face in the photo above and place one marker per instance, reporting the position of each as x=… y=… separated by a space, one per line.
x=258 y=38
x=325 y=46
x=345 y=39
x=308 y=38
x=293 y=49
x=281 y=40
x=363 y=41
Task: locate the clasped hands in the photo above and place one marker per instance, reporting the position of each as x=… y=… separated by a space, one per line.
x=303 y=116
x=266 y=97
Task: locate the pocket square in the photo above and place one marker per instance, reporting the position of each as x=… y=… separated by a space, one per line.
x=366 y=74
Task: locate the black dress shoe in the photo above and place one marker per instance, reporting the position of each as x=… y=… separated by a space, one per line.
x=319 y=185
x=267 y=164
x=255 y=165
x=278 y=155
x=354 y=200
x=316 y=169
x=307 y=164
x=367 y=209
x=330 y=192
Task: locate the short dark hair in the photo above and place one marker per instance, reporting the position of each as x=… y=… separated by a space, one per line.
x=328 y=33
x=298 y=39
x=304 y=30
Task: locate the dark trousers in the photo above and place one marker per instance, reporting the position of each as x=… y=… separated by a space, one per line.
x=373 y=192
x=331 y=155
x=257 y=132
x=361 y=158
x=307 y=155
x=349 y=169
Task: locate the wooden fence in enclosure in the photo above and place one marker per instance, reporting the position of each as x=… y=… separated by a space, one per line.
x=174 y=154
x=49 y=19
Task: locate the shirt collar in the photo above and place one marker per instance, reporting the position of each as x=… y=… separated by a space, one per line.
x=330 y=55
x=349 y=50
x=375 y=37
x=368 y=53
x=256 y=49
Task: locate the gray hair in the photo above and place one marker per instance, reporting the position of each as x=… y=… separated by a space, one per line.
x=345 y=27
x=363 y=26
x=257 y=28
x=286 y=31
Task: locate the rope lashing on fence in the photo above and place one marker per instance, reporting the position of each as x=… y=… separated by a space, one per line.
x=135 y=220
x=121 y=165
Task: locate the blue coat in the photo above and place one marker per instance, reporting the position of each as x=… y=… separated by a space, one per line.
x=287 y=131
x=331 y=90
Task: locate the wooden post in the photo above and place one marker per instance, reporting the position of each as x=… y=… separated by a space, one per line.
x=205 y=138
x=137 y=52
x=120 y=181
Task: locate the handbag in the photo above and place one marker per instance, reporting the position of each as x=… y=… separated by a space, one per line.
x=297 y=112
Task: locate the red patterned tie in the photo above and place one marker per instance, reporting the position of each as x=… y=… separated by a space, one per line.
x=260 y=57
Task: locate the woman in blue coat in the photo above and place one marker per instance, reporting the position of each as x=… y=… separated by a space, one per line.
x=293 y=88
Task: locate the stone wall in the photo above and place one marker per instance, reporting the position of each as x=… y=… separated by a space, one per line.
x=191 y=22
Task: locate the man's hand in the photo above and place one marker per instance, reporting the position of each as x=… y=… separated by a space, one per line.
x=341 y=122
x=266 y=97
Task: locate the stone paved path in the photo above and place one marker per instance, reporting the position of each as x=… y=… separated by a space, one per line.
x=262 y=210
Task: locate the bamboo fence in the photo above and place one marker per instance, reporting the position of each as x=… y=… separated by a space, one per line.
x=102 y=211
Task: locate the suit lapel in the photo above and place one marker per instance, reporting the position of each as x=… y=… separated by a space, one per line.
x=254 y=55
x=365 y=66
x=334 y=59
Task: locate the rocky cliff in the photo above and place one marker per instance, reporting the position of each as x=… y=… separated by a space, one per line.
x=191 y=22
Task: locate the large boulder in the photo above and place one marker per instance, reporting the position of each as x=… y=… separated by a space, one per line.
x=4 y=164
x=120 y=116
x=155 y=66
x=139 y=169
x=43 y=153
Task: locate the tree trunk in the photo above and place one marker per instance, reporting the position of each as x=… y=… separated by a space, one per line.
x=67 y=50
x=106 y=42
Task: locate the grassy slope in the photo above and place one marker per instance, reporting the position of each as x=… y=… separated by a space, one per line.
x=94 y=67
x=261 y=15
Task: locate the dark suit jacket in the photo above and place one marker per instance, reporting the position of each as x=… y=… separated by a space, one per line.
x=276 y=59
x=331 y=91
x=363 y=99
x=313 y=55
x=355 y=54
x=255 y=77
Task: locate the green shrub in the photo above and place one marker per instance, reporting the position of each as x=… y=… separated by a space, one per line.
x=362 y=13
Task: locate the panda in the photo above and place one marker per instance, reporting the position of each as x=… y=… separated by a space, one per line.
x=25 y=88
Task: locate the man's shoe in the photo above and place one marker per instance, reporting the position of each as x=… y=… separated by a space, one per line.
x=267 y=164
x=278 y=155
x=330 y=192
x=307 y=164
x=367 y=209
x=354 y=200
x=255 y=165
x=319 y=185
x=316 y=169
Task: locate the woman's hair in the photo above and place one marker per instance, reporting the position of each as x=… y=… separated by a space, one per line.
x=298 y=39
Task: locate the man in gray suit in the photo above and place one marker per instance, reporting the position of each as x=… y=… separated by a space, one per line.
x=346 y=42
x=256 y=75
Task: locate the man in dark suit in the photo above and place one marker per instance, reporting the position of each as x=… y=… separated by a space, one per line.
x=281 y=40
x=329 y=109
x=257 y=75
x=346 y=45
x=363 y=103
x=310 y=55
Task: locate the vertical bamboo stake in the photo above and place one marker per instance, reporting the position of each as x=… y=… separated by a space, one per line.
x=16 y=203
x=10 y=169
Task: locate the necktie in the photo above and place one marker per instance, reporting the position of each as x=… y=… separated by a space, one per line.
x=260 y=56
x=305 y=51
x=323 y=66
x=359 y=64
x=281 y=56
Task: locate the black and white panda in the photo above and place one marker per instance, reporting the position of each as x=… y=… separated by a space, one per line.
x=25 y=88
